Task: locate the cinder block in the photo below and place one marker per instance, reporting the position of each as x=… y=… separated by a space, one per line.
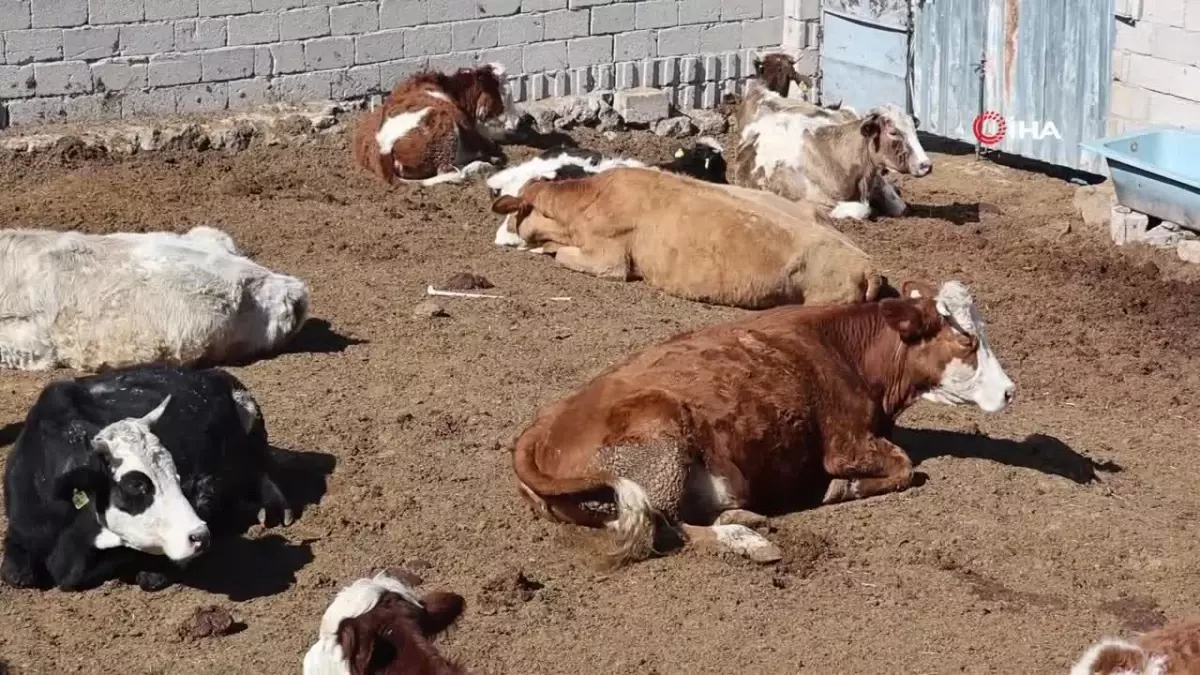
x=519 y=30
x=471 y=35
x=809 y=10
x=1191 y=15
x=772 y=8
x=145 y=39
x=1168 y=12
x=542 y=5
x=118 y=76
x=172 y=9
x=305 y=86
x=197 y=98
x=1165 y=77
x=402 y=13
x=166 y=70
x=90 y=107
x=794 y=34
x=498 y=7
x=509 y=57
x=148 y=103
x=328 y=53
x=196 y=34
x=807 y=62
x=221 y=7
x=690 y=71
x=1173 y=111
x=230 y=63
x=250 y=93
x=589 y=51
x=636 y=45
x=354 y=19
x=15 y=15
x=59 y=13
x=17 y=82
x=272 y=5
x=722 y=37
x=642 y=105
x=35 y=110
x=619 y=18
x=666 y=72
x=287 y=57
x=116 y=11
x=604 y=76
x=392 y=73
x=657 y=14
x=545 y=56
x=446 y=63
x=38 y=44
x=1172 y=44
x=584 y=4
x=426 y=41
x=736 y=10
x=565 y=24
x=356 y=82
x=90 y=43
x=66 y=77
x=699 y=11
x=1137 y=38
x=1130 y=102
x=386 y=45
x=762 y=33
x=444 y=11
x=253 y=29
x=681 y=41
x=300 y=24
x=1127 y=226
x=1189 y=251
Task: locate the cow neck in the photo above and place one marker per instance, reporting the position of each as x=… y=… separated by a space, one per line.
x=464 y=90
x=865 y=339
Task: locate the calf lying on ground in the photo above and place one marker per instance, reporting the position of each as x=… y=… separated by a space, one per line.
x=1171 y=650
x=703 y=161
x=89 y=301
x=115 y=472
x=379 y=626
x=429 y=128
x=713 y=243
x=832 y=158
x=713 y=427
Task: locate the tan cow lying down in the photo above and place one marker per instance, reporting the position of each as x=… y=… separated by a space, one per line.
x=712 y=426
x=835 y=159
x=713 y=243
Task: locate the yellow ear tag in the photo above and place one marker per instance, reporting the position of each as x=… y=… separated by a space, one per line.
x=803 y=87
x=679 y=152
x=80 y=499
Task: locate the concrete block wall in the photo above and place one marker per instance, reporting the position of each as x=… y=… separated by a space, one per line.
x=1156 y=66
x=69 y=59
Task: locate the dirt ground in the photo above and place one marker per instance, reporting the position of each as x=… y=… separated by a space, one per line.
x=1068 y=516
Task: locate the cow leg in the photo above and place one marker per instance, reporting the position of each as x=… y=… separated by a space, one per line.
x=737 y=539
x=20 y=568
x=887 y=197
x=270 y=498
x=873 y=468
x=731 y=529
x=604 y=264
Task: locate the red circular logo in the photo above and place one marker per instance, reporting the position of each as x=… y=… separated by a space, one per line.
x=997 y=125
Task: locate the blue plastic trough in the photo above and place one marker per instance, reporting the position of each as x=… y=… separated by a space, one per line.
x=1156 y=172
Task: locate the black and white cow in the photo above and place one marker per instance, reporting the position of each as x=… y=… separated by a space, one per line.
x=130 y=473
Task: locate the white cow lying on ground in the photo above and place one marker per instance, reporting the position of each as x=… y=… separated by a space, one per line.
x=93 y=302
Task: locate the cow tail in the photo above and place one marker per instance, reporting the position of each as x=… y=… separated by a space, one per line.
x=632 y=529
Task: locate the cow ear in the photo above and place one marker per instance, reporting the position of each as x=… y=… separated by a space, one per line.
x=870 y=125
x=506 y=204
x=85 y=476
x=440 y=610
x=917 y=289
x=912 y=320
x=356 y=645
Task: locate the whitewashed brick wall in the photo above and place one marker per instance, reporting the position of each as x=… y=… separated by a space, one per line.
x=65 y=59
x=1156 y=65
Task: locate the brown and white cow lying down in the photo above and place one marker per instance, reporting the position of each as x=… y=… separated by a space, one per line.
x=380 y=626
x=701 y=241
x=711 y=428
x=835 y=159
x=1173 y=649
x=429 y=128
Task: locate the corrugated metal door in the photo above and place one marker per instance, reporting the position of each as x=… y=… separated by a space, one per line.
x=1048 y=72
x=864 y=52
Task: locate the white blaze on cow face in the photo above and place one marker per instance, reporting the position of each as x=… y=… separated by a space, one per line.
x=511 y=117
x=986 y=384
x=146 y=508
x=397 y=127
x=326 y=657
x=903 y=126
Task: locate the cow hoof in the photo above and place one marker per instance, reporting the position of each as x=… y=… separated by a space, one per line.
x=152 y=581
x=838 y=491
x=745 y=541
x=741 y=517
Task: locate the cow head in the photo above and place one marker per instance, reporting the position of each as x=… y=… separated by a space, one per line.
x=280 y=309
x=704 y=161
x=777 y=71
x=134 y=484
x=948 y=347
x=494 y=100
x=892 y=138
x=380 y=625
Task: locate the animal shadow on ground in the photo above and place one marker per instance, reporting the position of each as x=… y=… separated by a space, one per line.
x=529 y=136
x=301 y=476
x=317 y=336
x=8 y=435
x=1039 y=452
x=244 y=569
x=958 y=213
